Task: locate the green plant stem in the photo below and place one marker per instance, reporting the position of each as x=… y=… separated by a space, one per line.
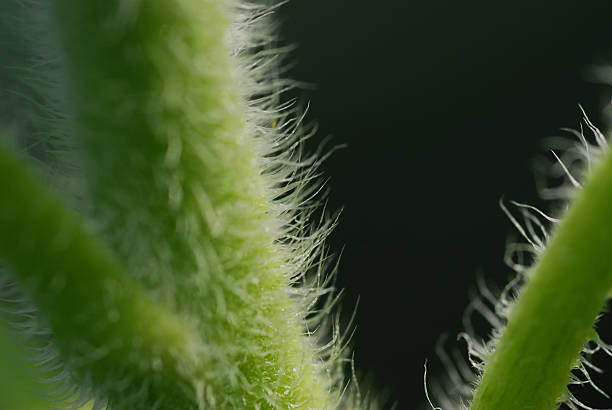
x=104 y=325
x=554 y=316
x=175 y=187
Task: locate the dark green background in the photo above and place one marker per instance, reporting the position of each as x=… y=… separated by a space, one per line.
x=444 y=106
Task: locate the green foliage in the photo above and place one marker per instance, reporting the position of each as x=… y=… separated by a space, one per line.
x=18 y=385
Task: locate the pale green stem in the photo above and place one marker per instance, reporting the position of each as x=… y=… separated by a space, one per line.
x=554 y=316
x=176 y=189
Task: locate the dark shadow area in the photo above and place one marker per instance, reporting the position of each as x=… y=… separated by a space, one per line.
x=444 y=106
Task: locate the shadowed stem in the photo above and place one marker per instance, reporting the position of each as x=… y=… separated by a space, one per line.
x=104 y=325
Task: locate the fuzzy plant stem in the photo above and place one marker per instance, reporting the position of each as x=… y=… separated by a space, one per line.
x=100 y=317
x=554 y=316
x=189 y=302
